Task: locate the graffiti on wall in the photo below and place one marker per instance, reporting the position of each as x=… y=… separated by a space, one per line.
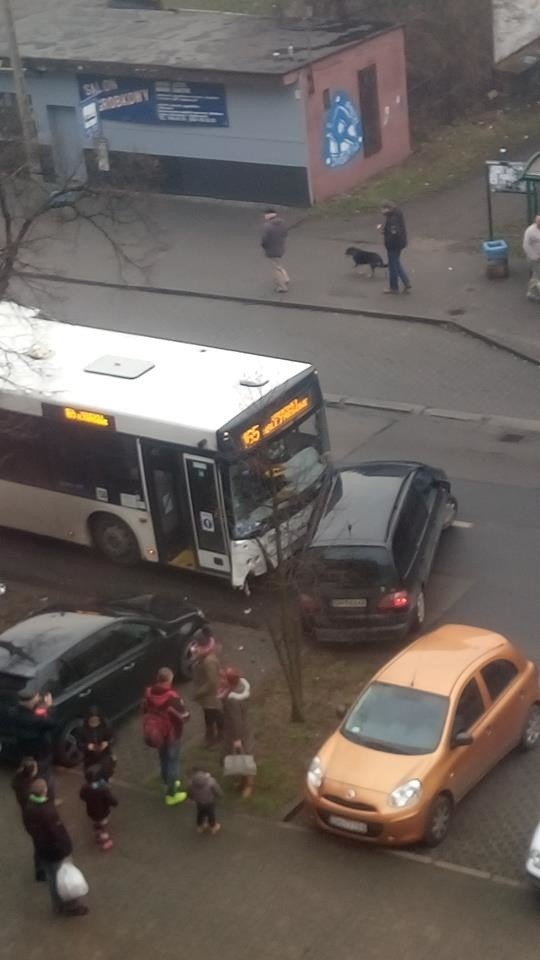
x=343 y=136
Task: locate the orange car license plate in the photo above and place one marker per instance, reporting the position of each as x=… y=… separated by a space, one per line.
x=342 y=823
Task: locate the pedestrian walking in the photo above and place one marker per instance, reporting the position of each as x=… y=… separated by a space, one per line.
x=99 y=800
x=531 y=248
x=21 y=784
x=35 y=724
x=206 y=683
x=235 y=695
x=395 y=240
x=52 y=843
x=273 y=242
x=163 y=723
x=204 y=790
x=95 y=740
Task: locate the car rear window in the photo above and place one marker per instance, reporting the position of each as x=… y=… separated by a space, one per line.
x=349 y=566
x=397 y=719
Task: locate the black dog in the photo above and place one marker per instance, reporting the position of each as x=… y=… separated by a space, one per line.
x=361 y=257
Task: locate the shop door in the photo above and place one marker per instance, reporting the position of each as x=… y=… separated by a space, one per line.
x=163 y=468
x=207 y=513
x=68 y=157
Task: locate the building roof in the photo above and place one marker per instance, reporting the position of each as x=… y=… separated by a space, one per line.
x=89 y=34
x=437 y=660
x=163 y=389
x=361 y=503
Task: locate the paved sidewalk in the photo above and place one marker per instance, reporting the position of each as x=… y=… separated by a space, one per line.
x=212 y=248
x=257 y=890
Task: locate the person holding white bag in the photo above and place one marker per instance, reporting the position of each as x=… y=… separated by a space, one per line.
x=53 y=847
x=238 y=744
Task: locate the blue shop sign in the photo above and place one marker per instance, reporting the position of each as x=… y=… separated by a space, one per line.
x=157 y=101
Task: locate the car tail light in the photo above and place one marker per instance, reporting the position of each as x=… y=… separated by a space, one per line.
x=309 y=604
x=397 y=600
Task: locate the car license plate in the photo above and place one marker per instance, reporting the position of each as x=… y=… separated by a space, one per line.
x=343 y=823
x=357 y=603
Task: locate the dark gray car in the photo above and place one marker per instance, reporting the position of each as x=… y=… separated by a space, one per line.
x=364 y=573
x=105 y=656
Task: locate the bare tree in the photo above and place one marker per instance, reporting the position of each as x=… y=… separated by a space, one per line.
x=287 y=485
x=35 y=214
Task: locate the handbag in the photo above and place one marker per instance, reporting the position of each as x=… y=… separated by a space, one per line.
x=70 y=882
x=239 y=765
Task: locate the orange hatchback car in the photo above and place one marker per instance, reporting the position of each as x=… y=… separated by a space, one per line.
x=423 y=732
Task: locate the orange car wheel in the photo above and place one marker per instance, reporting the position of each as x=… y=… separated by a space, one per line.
x=438 y=821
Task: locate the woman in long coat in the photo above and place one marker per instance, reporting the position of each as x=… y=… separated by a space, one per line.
x=235 y=696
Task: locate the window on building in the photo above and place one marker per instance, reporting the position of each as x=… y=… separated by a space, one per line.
x=369 y=108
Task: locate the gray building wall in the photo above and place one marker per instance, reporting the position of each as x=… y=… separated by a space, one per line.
x=266 y=124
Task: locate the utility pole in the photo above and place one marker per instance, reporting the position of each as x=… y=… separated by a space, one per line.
x=23 y=105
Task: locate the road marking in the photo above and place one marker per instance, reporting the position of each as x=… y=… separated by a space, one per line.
x=464 y=524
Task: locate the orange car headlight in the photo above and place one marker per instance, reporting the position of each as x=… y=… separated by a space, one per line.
x=406 y=794
x=315 y=774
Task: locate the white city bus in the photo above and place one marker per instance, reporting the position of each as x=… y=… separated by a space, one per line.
x=147 y=448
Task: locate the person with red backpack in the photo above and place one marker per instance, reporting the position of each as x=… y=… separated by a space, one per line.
x=163 y=722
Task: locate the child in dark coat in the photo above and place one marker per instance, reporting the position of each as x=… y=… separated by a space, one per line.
x=204 y=790
x=95 y=740
x=99 y=799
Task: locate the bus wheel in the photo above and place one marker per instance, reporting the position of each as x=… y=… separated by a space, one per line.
x=114 y=539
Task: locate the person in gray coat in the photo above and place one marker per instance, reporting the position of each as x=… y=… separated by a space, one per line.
x=204 y=790
x=273 y=241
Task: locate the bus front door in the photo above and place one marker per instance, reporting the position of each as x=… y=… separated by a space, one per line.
x=207 y=513
x=166 y=490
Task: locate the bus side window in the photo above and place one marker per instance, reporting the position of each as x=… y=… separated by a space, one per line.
x=23 y=449
x=100 y=466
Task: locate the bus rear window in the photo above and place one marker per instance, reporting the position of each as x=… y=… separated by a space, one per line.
x=349 y=565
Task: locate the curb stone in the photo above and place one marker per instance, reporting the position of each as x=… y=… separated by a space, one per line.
x=498 y=422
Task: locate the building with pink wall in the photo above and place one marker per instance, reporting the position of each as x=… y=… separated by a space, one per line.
x=366 y=85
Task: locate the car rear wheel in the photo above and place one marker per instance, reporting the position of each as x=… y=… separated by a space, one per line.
x=450 y=512
x=67 y=752
x=531 y=731
x=114 y=539
x=439 y=819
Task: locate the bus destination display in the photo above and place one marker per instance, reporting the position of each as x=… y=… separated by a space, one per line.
x=92 y=417
x=292 y=410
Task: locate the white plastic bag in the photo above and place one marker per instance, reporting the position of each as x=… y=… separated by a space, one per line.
x=70 y=882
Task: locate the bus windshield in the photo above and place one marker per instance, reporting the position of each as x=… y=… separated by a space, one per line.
x=283 y=475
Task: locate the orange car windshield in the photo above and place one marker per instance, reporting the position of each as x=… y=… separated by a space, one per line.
x=397 y=719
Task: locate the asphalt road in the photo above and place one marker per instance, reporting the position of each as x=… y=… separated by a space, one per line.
x=358 y=356
x=485 y=574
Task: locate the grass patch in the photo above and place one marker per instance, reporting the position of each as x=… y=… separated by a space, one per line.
x=283 y=749
x=451 y=155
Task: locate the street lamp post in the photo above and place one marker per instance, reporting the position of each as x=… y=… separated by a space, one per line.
x=23 y=106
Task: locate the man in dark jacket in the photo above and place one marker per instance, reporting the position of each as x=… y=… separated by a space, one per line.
x=52 y=843
x=162 y=699
x=274 y=237
x=395 y=241
x=34 y=723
